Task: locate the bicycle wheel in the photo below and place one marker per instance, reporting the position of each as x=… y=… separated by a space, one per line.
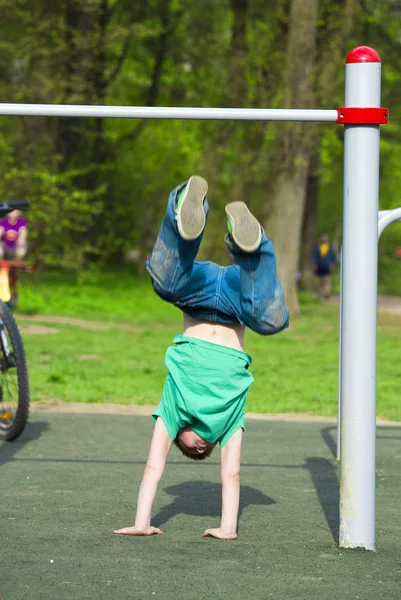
x=14 y=384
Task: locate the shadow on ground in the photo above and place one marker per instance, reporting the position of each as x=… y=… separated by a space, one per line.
x=203 y=499
x=32 y=432
x=325 y=478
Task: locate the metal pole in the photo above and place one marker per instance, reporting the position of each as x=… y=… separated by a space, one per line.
x=386 y=217
x=359 y=309
x=156 y=112
x=338 y=456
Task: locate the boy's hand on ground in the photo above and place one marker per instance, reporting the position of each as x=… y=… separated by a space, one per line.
x=218 y=533
x=139 y=531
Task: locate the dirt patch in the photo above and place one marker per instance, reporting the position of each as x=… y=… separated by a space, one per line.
x=84 y=324
x=37 y=329
x=389 y=304
x=385 y=304
x=99 y=409
x=300 y=418
x=89 y=357
x=389 y=320
x=130 y=409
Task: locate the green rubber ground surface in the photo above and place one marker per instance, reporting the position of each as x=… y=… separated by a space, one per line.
x=71 y=479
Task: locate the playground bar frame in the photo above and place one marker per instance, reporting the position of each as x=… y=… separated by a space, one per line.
x=181 y=113
x=359 y=306
x=361 y=117
x=386 y=218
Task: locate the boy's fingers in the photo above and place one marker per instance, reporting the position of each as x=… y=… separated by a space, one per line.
x=218 y=534
x=135 y=531
x=125 y=531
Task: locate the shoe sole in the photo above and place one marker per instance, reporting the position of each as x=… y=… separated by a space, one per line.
x=246 y=231
x=191 y=218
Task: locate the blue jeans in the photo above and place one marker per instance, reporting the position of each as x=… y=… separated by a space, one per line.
x=247 y=292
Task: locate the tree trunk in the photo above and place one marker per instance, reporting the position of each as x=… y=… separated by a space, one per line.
x=99 y=84
x=68 y=138
x=309 y=225
x=339 y=21
x=226 y=138
x=294 y=151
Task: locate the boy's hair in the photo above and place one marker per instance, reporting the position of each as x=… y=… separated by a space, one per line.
x=194 y=456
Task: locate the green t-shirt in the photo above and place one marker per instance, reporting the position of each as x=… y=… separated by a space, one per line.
x=205 y=389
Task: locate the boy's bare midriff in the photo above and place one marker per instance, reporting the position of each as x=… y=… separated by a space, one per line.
x=231 y=336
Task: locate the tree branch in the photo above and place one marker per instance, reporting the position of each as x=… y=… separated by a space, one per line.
x=135 y=18
x=161 y=53
x=120 y=59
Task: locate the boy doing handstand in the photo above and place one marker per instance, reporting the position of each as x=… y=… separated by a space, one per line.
x=203 y=400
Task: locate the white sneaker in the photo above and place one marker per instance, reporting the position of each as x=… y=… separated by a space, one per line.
x=190 y=214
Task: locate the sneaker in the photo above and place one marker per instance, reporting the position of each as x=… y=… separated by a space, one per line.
x=243 y=227
x=190 y=214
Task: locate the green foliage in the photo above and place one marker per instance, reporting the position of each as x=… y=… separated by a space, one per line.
x=378 y=25
x=98 y=187
x=61 y=213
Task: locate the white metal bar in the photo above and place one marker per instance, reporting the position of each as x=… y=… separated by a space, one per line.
x=386 y=217
x=359 y=312
x=156 y=112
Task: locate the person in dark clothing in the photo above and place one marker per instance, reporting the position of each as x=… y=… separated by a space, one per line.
x=323 y=264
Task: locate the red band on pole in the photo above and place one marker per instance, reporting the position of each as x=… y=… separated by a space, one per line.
x=362 y=116
x=363 y=54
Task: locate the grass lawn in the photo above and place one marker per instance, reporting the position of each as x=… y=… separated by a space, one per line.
x=295 y=371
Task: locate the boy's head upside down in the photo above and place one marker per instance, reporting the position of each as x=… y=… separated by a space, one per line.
x=192 y=445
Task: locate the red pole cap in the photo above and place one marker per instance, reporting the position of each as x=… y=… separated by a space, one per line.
x=363 y=54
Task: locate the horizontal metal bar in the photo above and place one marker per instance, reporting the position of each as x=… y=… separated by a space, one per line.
x=156 y=112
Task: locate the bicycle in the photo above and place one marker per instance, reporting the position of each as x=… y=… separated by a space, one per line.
x=14 y=381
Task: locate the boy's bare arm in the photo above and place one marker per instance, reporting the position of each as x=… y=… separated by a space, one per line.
x=159 y=449
x=230 y=468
